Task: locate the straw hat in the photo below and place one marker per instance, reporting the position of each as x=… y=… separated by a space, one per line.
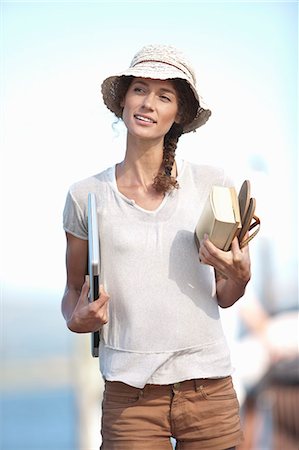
x=161 y=62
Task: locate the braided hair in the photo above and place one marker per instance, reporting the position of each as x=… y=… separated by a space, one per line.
x=188 y=107
x=164 y=181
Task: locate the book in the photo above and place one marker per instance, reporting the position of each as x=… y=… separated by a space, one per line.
x=220 y=217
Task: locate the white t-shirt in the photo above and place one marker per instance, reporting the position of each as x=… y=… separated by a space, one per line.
x=164 y=324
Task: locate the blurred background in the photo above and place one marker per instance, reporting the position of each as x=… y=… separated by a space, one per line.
x=55 y=130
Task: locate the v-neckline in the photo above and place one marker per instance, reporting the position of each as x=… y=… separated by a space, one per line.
x=133 y=202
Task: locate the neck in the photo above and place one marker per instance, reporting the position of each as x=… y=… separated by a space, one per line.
x=142 y=161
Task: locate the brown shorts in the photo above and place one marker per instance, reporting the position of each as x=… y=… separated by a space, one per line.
x=199 y=414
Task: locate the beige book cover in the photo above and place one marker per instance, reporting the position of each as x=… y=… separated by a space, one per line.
x=220 y=217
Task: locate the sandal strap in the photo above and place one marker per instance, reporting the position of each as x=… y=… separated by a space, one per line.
x=256 y=223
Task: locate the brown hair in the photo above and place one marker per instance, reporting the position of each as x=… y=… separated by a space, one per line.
x=188 y=107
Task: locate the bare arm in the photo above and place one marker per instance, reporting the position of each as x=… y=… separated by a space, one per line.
x=81 y=316
x=232 y=270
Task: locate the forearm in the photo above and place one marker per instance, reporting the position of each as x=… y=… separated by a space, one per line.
x=229 y=291
x=69 y=303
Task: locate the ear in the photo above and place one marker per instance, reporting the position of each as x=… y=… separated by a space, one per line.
x=122 y=103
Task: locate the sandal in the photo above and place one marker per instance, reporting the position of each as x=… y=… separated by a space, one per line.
x=249 y=220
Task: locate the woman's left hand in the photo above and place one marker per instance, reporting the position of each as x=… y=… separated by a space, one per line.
x=232 y=269
x=234 y=264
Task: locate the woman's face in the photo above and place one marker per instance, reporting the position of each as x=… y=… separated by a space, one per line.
x=150 y=107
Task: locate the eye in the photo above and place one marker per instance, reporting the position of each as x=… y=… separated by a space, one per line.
x=165 y=98
x=138 y=89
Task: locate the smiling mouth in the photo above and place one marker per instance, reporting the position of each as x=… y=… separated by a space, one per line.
x=144 y=119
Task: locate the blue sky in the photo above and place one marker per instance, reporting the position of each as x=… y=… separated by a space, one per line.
x=56 y=130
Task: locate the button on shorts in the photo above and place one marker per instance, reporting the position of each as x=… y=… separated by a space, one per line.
x=198 y=414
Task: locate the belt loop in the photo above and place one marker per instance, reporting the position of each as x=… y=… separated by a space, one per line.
x=141 y=393
x=198 y=384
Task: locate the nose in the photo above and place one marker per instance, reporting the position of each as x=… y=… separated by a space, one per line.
x=148 y=101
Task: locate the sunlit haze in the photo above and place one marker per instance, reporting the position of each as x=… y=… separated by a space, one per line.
x=56 y=129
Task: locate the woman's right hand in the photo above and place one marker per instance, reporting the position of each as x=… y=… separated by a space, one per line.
x=89 y=316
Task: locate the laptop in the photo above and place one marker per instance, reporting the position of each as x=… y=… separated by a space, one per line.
x=94 y=263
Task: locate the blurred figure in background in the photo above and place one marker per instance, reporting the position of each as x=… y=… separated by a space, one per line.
x=266 y=352
x=269 y=374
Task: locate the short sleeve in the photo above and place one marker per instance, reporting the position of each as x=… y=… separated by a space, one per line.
x=75 y=217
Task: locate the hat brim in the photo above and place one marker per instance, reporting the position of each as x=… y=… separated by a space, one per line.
x=157 y=71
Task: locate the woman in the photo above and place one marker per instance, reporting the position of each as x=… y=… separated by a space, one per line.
x=163 y=354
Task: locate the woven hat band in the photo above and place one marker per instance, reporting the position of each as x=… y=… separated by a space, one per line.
x=179 y=67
